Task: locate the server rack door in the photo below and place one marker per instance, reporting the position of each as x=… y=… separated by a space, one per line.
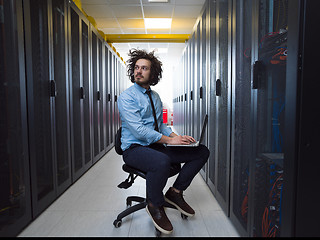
x=87 y=109
x=177 y=93
x=176 y=89
x=107 y=95
x=116 y=78
x=76 y=104
x=300 y=203
x=181 y=104
x=102 y=97
x=95 y=96
x=188 y=92
x=114 y=103
x=197 y=84
x=121 y=81
x=211 y=90
x=111 y=84
x=40 y=95
x=202 y=88
x=119 y=86
x=110 y=99
x=15 y=200
x=117 y=81
x=203 y=79
x=191 y=86
x=77 y=94
x=269 y=85
x=185 y=90
x=180 y=117
x=61 y=99
x=223 y=106
x=178 y=112
x=241 y=114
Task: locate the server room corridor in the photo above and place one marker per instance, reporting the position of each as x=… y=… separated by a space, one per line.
x=248 y=65
x=89 y=207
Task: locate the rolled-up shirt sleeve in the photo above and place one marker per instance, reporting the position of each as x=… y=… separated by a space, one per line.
x=165 y=130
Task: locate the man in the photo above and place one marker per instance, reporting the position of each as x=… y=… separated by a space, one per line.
x=142 y=141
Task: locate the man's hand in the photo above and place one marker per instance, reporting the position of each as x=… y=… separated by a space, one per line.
x=176 y=139
x=185 y=139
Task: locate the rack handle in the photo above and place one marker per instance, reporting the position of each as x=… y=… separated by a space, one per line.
x=257 y=74
x=82 y=95
x=218 y=87
x=53 y=88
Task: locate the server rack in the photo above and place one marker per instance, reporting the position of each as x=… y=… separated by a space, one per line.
x=201 y=96
x=268 y=93
x=223 y=104
x=203 y=78
x=241 y=115
x=80 y=95
x=112 y=81
x=195 y=93
x=260 y=114
x=211 y=89
x=107 y=97
x=300 y=208
x=47 y=129
x=97 y=94
x=48 y=100
x=15 y=200
x=110 y=98
x=188 y=89
x=116 y=91
x=192 y=81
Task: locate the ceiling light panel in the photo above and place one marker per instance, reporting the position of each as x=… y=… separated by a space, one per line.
x=157 y=23
x=158 y=1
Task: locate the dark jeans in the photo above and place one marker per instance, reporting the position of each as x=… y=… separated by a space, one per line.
x=156 y=159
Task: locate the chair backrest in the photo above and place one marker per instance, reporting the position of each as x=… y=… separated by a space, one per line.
x=117 y=144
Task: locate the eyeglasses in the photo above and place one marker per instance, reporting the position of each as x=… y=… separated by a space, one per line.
x=144 y=68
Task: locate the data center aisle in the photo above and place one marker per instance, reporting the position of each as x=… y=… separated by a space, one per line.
x=89 y=207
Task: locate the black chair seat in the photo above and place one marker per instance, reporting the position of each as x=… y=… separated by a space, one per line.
x=134 y=172
x=175 y=168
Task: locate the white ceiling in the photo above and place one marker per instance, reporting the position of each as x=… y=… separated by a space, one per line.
x=127 y=17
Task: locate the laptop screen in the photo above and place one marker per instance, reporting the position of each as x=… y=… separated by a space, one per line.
x=205 y=121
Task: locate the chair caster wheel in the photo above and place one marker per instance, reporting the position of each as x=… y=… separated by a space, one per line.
x=117 y=223
x=158 y=233
x=184 y=216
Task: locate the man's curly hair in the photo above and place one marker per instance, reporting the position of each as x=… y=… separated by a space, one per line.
x=156 y=65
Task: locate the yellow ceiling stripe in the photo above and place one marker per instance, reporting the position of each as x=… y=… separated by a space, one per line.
x=122 y=38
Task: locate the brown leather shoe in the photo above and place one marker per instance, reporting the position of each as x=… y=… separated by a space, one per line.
x=176 y=199
x=159 y=218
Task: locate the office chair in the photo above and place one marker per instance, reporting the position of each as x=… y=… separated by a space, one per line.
x=133 y=174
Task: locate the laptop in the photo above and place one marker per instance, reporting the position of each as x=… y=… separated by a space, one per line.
x=195 y=144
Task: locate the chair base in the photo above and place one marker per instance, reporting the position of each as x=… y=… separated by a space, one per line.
x=142 y=203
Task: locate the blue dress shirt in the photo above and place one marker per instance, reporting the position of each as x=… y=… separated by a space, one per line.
x=137 y=118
